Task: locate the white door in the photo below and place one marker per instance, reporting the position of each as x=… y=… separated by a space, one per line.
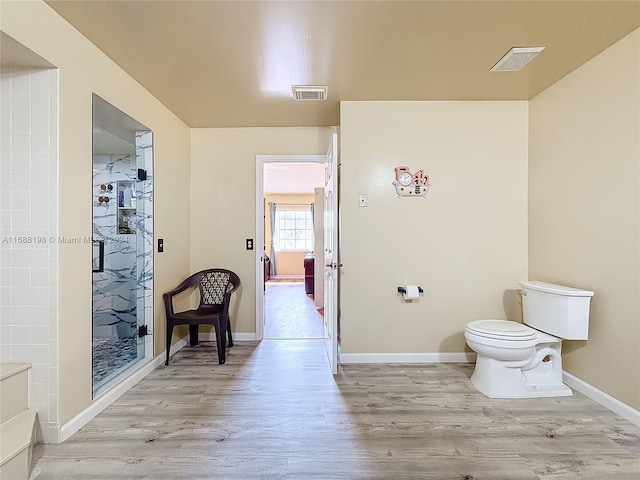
x=331 y=254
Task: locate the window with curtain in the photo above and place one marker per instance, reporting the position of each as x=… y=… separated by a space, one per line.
x=294 y=231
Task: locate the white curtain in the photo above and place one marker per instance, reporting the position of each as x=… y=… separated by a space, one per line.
x=272 y=253
x=313 y=226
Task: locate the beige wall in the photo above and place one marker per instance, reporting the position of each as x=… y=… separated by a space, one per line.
x=465 y=243
x=83 y=69
x=288 y=263
x=223 y=199
x=584 y=227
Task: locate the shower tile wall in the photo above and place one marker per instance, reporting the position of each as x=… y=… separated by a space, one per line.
x=123 y=290
x=144 y=226
x=28 y=234
x=114 y=290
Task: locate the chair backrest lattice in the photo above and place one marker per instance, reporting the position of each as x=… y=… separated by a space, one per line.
x=213 y=286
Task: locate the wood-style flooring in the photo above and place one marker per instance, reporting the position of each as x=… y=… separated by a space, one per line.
x=274 y=411
x=290 y=312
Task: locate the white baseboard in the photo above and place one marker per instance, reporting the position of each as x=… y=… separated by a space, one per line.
x=293 y=278
x=447 y=357
x=111 y=395
x=239 y=336
x=604 y=399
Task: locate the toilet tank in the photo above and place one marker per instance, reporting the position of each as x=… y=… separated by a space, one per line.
x=555 y=309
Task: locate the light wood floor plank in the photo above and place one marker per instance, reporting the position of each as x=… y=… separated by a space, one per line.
x=274 y=411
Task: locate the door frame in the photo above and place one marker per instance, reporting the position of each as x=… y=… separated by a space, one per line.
x=332 y=254
x=260 y=225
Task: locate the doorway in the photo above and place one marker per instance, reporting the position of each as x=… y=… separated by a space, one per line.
x=326 y=260
x=286 y=192
x=292 y=233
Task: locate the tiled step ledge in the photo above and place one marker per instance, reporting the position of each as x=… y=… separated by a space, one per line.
x=16 y=436
x=14 y=390
x=9 y=369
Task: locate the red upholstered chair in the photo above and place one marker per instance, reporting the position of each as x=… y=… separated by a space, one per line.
x=215 y=286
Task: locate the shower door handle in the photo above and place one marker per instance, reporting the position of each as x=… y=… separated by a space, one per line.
x=98 y=255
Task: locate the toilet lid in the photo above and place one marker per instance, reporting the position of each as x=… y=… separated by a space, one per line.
x=502 y=329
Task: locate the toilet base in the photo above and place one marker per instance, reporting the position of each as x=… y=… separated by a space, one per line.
x=496 y=379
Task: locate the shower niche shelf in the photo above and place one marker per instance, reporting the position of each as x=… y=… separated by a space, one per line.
x=126 y=207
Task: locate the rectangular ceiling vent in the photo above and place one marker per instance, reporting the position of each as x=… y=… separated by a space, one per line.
x=516 y=58
x=309 y=92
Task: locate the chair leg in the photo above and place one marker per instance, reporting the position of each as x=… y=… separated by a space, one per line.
x=169 y=335
x=229 y=333
x=221 y=344
x=193 y=335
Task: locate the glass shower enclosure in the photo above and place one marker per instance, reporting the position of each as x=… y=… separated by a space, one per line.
x=122 y=239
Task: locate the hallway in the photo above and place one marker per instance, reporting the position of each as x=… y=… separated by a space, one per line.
x=290 y=313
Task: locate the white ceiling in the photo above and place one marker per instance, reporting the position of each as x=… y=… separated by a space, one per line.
x=282 y=178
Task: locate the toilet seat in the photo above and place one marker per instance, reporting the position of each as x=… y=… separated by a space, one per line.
x=502 y=330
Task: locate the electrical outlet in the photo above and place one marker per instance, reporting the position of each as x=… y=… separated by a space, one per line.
x=249 y=243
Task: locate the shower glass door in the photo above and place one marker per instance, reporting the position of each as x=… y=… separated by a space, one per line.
x=123 y=241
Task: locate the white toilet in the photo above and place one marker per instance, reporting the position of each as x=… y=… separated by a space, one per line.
x=519 y=361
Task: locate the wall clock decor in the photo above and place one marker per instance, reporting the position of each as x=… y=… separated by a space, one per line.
x=411 y=184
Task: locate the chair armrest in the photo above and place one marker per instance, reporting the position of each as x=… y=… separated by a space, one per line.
x=168 y=304
x=235 y=287
x=168 y=296
x=227 y=298
x=181 y=288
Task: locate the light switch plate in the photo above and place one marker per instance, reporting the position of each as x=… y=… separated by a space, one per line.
x=362 y=200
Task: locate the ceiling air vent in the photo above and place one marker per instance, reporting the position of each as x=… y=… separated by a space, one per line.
x=516 y=58
x=309 y=92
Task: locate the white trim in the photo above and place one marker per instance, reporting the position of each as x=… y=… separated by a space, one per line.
x=245 y=336
x=175 y=348
x=447 y=357
x=111 y=395
x=604 y=399
x=259 y=247
x=239 y=336
x=291 y=158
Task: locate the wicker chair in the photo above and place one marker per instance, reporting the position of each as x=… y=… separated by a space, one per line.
x=215 y=286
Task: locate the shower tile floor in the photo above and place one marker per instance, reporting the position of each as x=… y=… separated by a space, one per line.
x=110 y=355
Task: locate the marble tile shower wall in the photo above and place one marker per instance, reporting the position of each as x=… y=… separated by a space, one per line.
x=114 y=289
x=123 y=292
x=28 y=233
x=144 y=159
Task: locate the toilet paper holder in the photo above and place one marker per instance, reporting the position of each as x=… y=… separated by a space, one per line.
x=404 y=290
